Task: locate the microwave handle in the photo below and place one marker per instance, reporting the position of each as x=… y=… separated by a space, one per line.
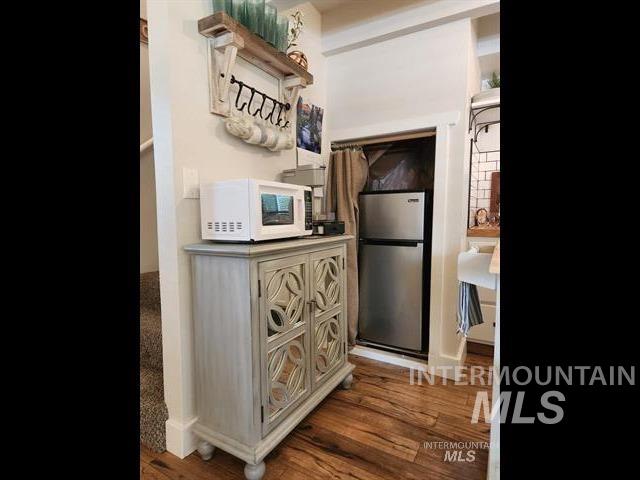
x=300 y=213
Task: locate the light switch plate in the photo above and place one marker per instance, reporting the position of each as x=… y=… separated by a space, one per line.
x=190 y=183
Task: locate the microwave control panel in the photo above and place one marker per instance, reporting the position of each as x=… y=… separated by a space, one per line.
x=308 y=210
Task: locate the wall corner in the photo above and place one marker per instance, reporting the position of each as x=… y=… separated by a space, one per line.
x=181 y=441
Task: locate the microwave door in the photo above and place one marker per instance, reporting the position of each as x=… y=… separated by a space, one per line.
x=277 y=209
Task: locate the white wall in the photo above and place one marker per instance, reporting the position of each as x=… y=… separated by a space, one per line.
x=355 y=24
x=187 y=135
x=410 y=76
x=489 y=45
x=148 y=225
x=405 y=81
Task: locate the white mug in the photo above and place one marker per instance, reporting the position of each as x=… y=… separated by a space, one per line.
x=256 y=135
x=269 y=136
x=239 y=126
x=285 y=142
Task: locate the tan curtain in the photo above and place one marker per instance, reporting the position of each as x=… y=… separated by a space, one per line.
x=346 y=178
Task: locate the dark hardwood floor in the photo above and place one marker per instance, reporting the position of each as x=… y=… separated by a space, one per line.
x=375 y=431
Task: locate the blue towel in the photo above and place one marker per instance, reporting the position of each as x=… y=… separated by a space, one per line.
x=469 y=311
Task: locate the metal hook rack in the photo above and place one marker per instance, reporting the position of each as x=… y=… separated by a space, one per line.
x=477 y=127
x=276 y=104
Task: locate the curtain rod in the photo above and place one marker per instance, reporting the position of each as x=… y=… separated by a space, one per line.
x=382 y=139
x=341 y=146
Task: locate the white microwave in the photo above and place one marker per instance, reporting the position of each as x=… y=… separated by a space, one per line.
x=249 y=210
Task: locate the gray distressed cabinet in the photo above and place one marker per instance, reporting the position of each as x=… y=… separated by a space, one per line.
x=270 y=332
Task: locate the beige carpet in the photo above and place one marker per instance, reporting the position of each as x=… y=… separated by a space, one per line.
x=153 y=410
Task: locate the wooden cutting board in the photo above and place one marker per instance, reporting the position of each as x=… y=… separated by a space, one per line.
x=494 y=203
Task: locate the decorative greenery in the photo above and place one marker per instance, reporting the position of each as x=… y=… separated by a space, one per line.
x=296 y=29
x=495 y=80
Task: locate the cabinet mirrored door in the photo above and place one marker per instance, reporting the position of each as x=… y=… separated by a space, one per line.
x=284 y=324
x=327 y=318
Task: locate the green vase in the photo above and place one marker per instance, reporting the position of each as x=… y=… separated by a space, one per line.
x=270 y=24
x=239 y=11
x=222 y=6
x=255 y=16
x=283 y=34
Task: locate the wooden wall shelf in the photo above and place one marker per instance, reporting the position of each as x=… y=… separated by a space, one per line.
x=255 y=49
x=481 y=232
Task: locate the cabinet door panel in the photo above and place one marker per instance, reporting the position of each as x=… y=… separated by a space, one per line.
x=327 y=268
x=328 y=345
x=284 y=327
x=327 y=318
x=285 y=293
x=486 y=331
x=287 y=379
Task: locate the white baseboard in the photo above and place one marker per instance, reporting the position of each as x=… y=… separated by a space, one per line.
x=448 y=365
x=389 y=357
x=180 y=439
x=444 y=365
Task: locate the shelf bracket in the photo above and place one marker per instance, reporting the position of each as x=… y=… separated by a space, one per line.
x=290 y=90
x=222 y=51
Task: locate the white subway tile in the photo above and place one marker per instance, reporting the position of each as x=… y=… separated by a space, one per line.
x=493 y=156
x=489 y=166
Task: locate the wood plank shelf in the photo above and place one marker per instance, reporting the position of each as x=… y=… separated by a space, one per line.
x=482 y=232
x=256 y=51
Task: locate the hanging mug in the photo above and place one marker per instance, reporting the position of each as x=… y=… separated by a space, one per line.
x=281 y=142
x=239 y=126
x=256 y=135
x=269 y=136
x=289 y=141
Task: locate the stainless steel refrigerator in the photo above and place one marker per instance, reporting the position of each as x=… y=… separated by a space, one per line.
x=395 y=269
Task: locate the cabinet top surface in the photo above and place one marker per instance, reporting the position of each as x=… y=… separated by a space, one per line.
x=257 y=249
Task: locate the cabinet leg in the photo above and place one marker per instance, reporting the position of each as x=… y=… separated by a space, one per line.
x=205 y=449
x=254 y=472
x=346 y=383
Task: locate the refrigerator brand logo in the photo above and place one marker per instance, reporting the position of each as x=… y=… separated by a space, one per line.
x=413 y=200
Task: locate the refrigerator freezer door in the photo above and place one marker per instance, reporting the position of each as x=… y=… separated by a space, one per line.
x=397 y=216
x=391 y=294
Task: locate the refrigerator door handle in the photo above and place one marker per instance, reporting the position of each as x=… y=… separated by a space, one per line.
x=391 y=243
